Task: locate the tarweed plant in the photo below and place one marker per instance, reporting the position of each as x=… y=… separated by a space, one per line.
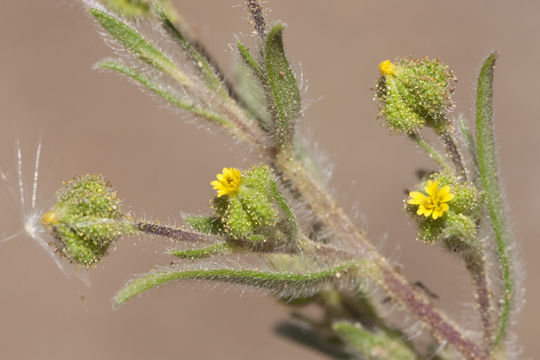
x=273 y=225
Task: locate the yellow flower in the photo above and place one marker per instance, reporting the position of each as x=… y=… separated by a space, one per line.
x=387 y=68
x=227 y=182
x=435 y=203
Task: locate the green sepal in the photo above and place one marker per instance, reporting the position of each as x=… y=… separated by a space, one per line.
x=283 y=86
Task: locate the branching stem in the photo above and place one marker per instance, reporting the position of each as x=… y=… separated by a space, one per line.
x=325 y=207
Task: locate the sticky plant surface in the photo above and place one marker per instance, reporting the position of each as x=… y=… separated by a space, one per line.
x=274 y=227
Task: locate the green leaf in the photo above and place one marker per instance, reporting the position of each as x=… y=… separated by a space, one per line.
x=250 y=62
x=373 y=345
x=469 y=140
x=279 y=282
x=284 y=205
x=283 y=86
x=138 y=45
x=164 y=94
x=488 y=173
x=211 y=78
x=215 y=249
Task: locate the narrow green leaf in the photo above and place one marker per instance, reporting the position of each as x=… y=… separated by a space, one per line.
x=212 y=79
x=278 y=282
x=283 y=86
x=284 y=205
x=215 y=249
x=138 y=45
x=250 y=62
x=487 y=169
x=469 y=139
x=373 y=345
x=158 y=90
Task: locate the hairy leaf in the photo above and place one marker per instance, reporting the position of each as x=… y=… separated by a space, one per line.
x=283 y=86
x=202 y=63
x=161 y=92
x=281 y=283
x=138 y=45
x=488 y=173
x=215 y=249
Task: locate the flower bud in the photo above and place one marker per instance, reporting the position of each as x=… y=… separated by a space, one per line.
x=445 y=209
x=413 y=93
x=247 y=209
x=86 y=219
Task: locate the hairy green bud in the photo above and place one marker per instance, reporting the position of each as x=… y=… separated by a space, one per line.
x=445 y=208
x=413 y=93
x=247 y=209
x=86 y=219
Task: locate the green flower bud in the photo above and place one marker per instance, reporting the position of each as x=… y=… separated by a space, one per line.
x=245 y=204
x=445 y=209
x=459 y=229
x=86 y=219
x=413 y=93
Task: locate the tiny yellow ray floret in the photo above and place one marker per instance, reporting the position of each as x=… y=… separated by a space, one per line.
x=433 y=204
x=387 y=68
x=49 y=218
x=227 y=182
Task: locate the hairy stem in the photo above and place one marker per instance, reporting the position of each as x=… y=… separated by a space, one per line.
x=476 y=264
x=257 y=13
x=431 y=151
x=335 y=219
x=170 y=232
x=453 y=151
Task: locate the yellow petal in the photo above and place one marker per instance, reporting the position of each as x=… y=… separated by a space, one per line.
x=445 y=195
x=432 y=188
x=416 y=198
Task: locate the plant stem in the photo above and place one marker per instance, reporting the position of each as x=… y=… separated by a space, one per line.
x=476 y=264
x=257 y=13
x=170 y=232
x=431 y=151
x=453 y=152
x=335 y=219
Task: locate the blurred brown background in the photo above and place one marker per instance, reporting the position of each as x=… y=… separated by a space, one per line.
x=99 y=123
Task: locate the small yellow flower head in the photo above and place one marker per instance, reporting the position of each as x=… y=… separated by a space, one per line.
x=387 y=68
x=227 y=182
x=433 y=204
